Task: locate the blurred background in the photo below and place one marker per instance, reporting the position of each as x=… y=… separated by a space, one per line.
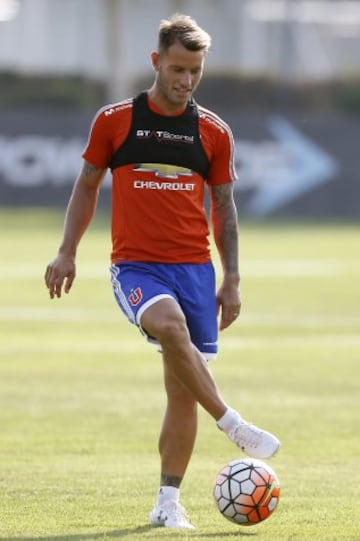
x=285 y=74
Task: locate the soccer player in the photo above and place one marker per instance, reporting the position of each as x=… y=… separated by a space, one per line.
x=163 y=149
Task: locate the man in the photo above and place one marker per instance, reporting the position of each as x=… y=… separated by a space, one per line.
x=163 y=149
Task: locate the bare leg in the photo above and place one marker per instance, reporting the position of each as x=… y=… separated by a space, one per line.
x=187 y=381
x=178 y=431
x=165 y=321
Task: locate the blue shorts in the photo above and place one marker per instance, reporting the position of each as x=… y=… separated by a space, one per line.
x=139 y=285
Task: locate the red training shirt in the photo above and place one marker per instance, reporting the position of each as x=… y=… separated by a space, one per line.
x=158 y=212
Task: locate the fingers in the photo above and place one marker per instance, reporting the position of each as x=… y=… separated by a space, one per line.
x=229 y=307
x=53 y=282
x=49 y=281
x=229 y=315
x=55 y=279
x=68 y=283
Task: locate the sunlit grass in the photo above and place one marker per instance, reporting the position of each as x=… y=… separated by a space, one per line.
x=81 y=396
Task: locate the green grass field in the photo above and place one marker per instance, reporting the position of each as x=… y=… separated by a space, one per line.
x=81 y=396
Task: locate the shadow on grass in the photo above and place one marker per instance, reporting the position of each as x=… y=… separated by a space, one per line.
x=157 y=533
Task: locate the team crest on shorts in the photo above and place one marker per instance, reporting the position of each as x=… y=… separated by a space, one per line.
x=135 y=296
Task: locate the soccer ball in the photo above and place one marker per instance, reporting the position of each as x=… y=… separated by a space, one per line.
x=246 y=491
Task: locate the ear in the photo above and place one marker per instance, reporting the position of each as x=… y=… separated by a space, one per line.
x=155 y=60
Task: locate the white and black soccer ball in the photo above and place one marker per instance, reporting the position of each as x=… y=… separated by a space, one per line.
x=246 y=491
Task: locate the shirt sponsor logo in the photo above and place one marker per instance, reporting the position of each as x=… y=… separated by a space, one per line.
x=124 y=105
x=172 y=186
x=164 y=170
x=109 y=111
x=164 y=136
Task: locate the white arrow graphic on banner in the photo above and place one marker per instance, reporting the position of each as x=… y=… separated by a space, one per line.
x=307 y=166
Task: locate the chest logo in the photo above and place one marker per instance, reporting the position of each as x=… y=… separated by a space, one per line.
x=163 y=170
x=162 y=135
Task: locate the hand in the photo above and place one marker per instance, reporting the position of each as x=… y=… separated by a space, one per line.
x=228 y=301
x=60 y=272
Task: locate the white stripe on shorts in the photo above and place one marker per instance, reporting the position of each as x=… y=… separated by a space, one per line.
x=115 y=271
x=149 y=303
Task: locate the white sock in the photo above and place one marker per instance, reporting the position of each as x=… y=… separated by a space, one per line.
x=167 y=493
x=228 y=420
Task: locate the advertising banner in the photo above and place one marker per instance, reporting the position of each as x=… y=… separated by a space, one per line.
x=298 y=165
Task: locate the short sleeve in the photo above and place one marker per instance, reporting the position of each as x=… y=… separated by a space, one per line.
x=98 y=150
x=218 y=142
x=222 y=166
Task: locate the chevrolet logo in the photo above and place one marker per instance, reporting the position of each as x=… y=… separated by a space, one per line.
x=163 y=170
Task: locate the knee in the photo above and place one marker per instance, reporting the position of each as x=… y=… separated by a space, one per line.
x=170 y=328
x=166 y=322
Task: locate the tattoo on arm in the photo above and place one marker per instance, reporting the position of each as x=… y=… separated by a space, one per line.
x=89 y=169
x=225 y=224
x=91 y=176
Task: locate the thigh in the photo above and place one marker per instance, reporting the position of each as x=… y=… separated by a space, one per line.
x=197 y=298
x=137 y=286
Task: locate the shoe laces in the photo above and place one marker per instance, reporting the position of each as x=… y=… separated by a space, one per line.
x=247 y=435
x=175 y=509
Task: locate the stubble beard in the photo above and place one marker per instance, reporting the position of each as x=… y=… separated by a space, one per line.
x=169 y=94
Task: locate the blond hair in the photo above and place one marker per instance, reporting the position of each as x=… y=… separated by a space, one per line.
x=184 y=29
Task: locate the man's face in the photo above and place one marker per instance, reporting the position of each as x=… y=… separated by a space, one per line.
x=178 y=73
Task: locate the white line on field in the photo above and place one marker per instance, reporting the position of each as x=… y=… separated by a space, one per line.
x=280 y=268
x=56 y=313
x=292 y=341
x=25 y=271
x=33 y=313
x=299 y=320
x=138 y=345
x=251 y=268
x=122 y=346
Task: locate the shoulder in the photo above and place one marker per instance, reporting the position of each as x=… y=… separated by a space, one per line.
x=116 y=108
x=111 y=112
x=212 y=121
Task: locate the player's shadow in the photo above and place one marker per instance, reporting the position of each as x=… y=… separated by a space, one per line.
x=82 y=536
x=157 y=533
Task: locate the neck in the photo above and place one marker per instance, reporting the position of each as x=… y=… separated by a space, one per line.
x=163 y=104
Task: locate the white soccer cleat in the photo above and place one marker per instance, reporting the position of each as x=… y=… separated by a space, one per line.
x=255 y=442
x=171 y=515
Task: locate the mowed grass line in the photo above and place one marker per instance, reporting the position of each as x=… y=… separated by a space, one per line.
x=81 y=396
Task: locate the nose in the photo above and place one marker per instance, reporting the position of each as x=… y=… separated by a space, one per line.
x=186 y=79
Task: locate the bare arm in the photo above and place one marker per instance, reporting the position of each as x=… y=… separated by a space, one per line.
x=79 y=213
x=225 y=227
